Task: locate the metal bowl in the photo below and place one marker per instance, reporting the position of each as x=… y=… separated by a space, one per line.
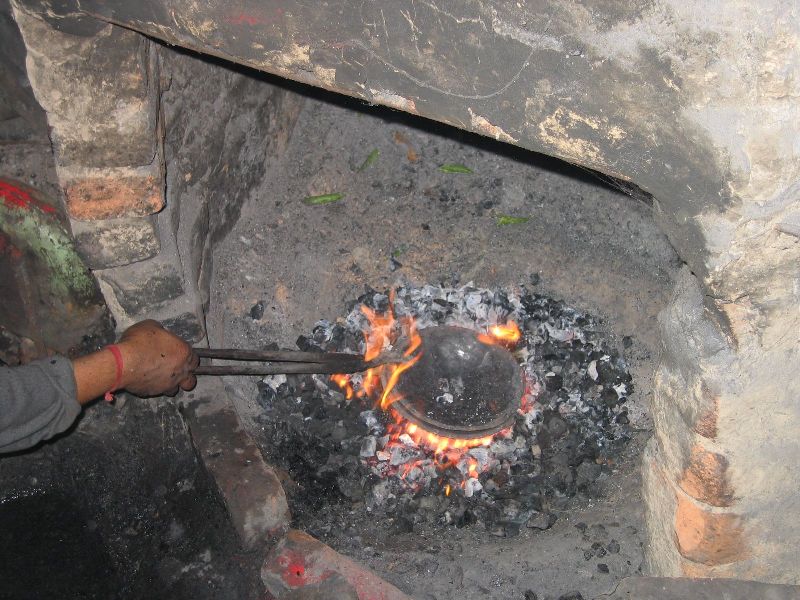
x=460 y=387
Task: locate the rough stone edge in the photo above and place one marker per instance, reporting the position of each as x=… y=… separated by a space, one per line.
x=251 y=491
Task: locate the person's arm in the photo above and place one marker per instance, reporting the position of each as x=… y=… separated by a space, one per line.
x=40 y=400
x=154 y=362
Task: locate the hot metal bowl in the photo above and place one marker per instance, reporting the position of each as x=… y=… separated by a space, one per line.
x=460 y=387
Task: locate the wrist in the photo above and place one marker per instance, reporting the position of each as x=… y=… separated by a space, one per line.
x=129 y=364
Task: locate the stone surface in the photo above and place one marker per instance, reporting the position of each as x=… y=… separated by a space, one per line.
x=252 y=493
x=142 y=287
x=299 y=561
x=115 y=242
x=663 y=588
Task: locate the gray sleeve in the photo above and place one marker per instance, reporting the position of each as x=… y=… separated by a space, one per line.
x=37 y=401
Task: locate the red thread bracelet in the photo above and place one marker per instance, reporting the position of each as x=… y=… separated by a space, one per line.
x=109 y=396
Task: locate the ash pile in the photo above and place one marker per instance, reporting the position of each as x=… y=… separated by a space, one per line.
x=344 y=459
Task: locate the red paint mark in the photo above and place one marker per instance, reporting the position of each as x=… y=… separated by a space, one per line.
x=253 y=20
x=243 y=19
x=14 y=197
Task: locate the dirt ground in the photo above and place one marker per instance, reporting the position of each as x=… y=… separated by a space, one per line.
x=402 y=217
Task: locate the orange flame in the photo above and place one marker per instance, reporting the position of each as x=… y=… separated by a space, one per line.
x=502 y=335
x=385 y=331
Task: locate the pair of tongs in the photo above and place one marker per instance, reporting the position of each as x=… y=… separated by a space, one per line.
x=287 y=362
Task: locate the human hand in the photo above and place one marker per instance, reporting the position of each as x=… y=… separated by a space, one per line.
x=156 y=361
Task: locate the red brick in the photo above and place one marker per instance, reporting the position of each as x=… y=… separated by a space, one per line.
x=94 y=198
x=707 y=537
x=706 y=478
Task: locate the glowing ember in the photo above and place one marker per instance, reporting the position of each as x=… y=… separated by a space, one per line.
x=384 y=333
x=502 y=335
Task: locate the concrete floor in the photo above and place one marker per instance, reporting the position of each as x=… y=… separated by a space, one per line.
x=585 y=243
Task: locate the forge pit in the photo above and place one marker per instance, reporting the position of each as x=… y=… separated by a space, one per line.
x=516 y=224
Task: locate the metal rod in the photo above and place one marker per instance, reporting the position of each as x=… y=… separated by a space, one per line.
x=280 y=368
x=278 y=355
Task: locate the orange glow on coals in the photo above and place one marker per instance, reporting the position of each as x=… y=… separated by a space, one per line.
x=502 y=335
x=385 y=333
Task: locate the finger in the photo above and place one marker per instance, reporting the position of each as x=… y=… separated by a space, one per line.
x=194 y=362
x=189 y=383
x=173 y=391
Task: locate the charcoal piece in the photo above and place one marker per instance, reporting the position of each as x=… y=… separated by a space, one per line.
x=627 y=341
x=588 y=555
x=466 y=517
x=257 y=310
x=609 y=397
x=542 y=521
x=602 y=567
x=266 y=395
x=571 y=596
x=394 y=264
x=581 y=527
x=553 y=382
x=622 y=418
x=598 y=550
x=511 y=528
x=535 y=279
x=307 y=345
x=531 y=595
x=403 y=525
x=368 y=446
x=613 y=547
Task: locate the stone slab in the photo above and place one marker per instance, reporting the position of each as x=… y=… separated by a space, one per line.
x=301 y=562
x=116 y=242
x=249 y=488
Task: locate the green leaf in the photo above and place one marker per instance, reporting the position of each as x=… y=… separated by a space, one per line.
x=509 y=220
x=369 y=160
x=322 y=199
x=454 y=168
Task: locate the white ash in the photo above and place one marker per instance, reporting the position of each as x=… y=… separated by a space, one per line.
x=573 y=414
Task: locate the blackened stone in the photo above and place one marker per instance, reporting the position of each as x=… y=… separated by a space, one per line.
x=531 y=595
x=307 y=345
x=602 y=567
x=571 y=596
x=542 y=521
x=613 y=547
x=598 y=550
x=535 y=279
x=627 y=341
x=185 y=326
x=257 y=311
x=622 y=418
x=394 y=264
x=580 y=527
x=588 y=555
x=426 y=227
x=468 y=517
